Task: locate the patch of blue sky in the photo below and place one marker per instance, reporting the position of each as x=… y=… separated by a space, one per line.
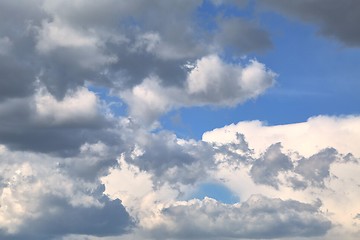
x=215 y=191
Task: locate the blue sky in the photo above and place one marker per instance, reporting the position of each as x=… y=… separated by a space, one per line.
x=181 y=119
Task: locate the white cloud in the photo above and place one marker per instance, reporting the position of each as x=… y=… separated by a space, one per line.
x=307 y=138
x=79 y=106
x=210 y=81
x=149 y=100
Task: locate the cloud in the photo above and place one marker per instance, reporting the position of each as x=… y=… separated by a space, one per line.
x=43 y=197
x=72 y=168
x=313 y=170
x=322 y=167
x=169 y=159
x=341 y=133
x=334 y=18
x=316 y=168
x=5 y=45
x=258 y=217
x=43 y=123
x=266 y=169
x=232 y=31
x=276 y=173
x=65 y=44
x=210 y=81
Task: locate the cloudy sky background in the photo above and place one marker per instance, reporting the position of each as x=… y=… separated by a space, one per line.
x=181 y=119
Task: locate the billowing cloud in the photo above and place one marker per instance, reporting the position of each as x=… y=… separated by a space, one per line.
x=257 y=218
x=334 y=18
x=210 y=81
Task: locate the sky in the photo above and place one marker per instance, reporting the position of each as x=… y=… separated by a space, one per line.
x=179 y=119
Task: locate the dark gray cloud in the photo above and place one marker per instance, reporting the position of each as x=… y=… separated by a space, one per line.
x=257 y=218
x=336 y=19
x=266 y=169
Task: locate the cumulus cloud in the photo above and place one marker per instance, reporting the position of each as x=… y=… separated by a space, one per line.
x=334 y=18
x=257 y=218
x=210 y=81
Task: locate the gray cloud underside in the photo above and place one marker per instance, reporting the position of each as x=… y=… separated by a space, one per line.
x=257 y=218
